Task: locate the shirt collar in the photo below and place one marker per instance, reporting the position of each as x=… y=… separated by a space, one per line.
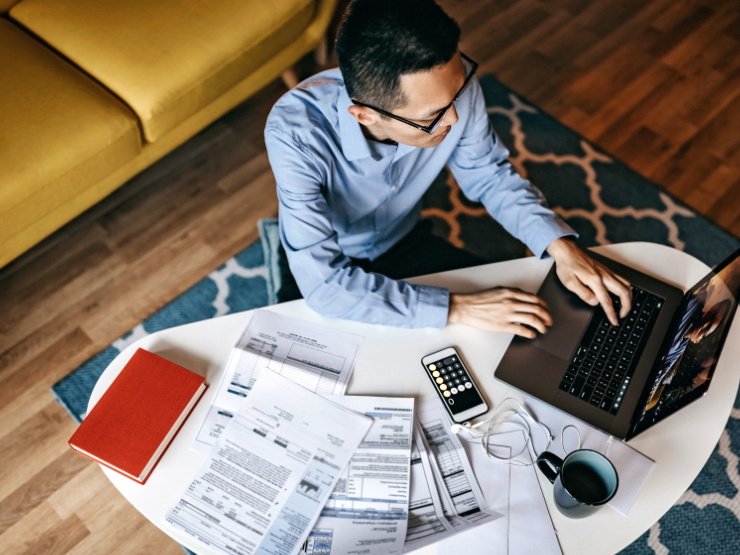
x=403 y=150
x=354 y=143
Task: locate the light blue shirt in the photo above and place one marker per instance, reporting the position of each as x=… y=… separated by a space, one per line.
x=342 y=195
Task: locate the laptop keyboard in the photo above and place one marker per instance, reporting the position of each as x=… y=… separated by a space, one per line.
x=603 y=363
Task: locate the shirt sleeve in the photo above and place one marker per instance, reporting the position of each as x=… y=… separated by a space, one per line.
x=480 y=167
x=328 y=281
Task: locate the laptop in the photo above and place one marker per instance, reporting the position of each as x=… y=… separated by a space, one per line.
x=624 y=379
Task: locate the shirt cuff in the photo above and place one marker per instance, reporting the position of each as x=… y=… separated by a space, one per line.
x=432 y=307
x=546 y=233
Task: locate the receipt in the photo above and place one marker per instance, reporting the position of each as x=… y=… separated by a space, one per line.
x=367 y=511
x=318 y=358
x=427 y=523
x=459 y=489
x=266 y=479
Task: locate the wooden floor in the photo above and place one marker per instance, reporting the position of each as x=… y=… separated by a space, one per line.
x=654 y=82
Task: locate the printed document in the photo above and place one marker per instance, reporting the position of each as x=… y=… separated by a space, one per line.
x=530 y=530
x=266 y=479
x=450 y=499
x=318 y=358
x=367 y=511
x=427 y=523
x=459 y=489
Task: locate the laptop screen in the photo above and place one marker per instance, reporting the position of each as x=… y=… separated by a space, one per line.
x=692 y=345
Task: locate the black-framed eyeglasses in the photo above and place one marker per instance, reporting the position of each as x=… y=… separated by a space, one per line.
x=432 y=127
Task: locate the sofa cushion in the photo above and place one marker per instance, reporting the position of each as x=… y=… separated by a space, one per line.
x=5 y=5
x=166 y=59
x=59 y=131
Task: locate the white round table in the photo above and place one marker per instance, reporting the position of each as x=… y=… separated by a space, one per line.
x=388 y=364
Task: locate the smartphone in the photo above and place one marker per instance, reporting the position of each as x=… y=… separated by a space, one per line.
x=454 y=385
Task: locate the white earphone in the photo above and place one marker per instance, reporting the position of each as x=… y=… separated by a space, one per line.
x=518 y=417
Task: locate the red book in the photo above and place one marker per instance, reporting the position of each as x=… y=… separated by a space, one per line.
x=134 y=421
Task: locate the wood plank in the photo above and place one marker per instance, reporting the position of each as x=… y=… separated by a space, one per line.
x=34 y=525
x=720 y=135
x=40 y=487
x=704 y=197
x=34 y=445
x=644 y=149
x=640 y=19
x=80 y=490
x=725 y=213
x=685 y=170
x=60 y=539
x=50 y=365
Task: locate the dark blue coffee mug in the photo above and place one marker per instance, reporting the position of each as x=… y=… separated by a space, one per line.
x=583 y=482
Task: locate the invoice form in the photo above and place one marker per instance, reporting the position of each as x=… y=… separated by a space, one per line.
x=264 y=483
x=320 y=359
x=367 y=511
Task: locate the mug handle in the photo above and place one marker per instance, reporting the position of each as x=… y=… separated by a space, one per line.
x=549 y=464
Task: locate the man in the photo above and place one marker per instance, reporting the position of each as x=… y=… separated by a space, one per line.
x=698 y=322
x=353 y=151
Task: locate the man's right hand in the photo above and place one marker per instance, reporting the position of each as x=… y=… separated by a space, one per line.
x=502 y=310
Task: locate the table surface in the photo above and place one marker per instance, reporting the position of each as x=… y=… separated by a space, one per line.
x=679 y=445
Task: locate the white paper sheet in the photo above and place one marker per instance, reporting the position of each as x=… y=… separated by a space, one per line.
x=494 y=480
x=632 y=467
x=316 y=357
x=266 y=479
x=367 y=511
x=529 y=530
x=449 y=477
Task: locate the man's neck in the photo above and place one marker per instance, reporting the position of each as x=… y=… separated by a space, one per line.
x=376 y=135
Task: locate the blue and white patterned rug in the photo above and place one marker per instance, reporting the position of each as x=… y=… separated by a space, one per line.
x=602 y=199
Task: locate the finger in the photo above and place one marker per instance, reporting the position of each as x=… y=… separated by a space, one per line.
x=597 y=286
x=516 y=329
x=538 y=310
x=583 y=292
x=624 y=281
x=530 y=320
x=616 y=286
x=528 y=298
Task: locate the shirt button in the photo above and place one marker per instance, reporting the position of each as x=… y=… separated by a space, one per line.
x=394 y=187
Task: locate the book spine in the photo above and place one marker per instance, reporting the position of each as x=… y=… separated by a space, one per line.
x=174 y=435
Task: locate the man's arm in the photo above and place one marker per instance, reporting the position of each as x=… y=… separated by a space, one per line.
x=480 y=167
x=331 y=285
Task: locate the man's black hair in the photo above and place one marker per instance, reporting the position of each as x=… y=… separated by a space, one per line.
x=380 y=40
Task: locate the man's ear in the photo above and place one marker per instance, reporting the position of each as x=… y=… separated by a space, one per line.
x=365 y=116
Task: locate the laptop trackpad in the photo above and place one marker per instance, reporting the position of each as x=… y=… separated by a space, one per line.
x=570 y=317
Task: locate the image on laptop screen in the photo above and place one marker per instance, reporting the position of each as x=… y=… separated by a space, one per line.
x=692 y=345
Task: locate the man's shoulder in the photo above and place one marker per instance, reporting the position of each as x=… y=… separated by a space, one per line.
x=310 y=106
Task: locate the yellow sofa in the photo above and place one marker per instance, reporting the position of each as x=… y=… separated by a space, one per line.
x=93 y=91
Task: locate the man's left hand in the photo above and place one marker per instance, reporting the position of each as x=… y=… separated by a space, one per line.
x=588 y=279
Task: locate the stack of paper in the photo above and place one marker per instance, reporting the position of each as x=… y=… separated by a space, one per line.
x=269 y=474
x=293 y=465
x=318 y=358
x=368 y=510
